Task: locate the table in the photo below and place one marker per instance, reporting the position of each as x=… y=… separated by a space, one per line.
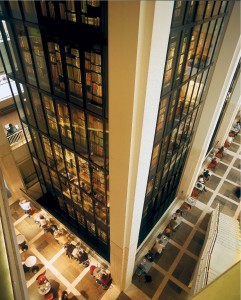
x=146 y=264
x=30 y=261
x=164 y=239
x=191 y=201
x=44 y=288
x=20 y=239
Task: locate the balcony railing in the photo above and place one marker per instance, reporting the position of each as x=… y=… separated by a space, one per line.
x=18 y=139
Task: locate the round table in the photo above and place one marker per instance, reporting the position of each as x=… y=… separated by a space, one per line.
x=30 y=261
x=44 y=288
x=20 y=239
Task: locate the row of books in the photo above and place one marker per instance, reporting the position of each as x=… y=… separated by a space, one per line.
x=75 y=88
x=93 y=57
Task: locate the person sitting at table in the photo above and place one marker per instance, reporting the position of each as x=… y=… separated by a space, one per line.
x=173 y=224
x=26 y=206
x=206 y=175
x=12 y=129
x=202 y=181
x=43 y=222
x=41 y=279
x=167 y=232
x=158 y=247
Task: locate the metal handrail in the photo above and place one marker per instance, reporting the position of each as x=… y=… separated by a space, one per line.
x=18 y=138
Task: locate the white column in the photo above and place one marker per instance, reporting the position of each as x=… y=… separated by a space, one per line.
x=138 y=39
x=220 y=82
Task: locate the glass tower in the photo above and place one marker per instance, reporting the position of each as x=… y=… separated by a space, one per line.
x=196 y=31
x=56 y=56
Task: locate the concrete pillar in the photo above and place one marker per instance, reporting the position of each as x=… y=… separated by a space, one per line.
x=220 y=82
x=138 y=39
x=9 y=168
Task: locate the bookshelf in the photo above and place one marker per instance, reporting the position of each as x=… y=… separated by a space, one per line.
x=50 y=113
x=25 y=53
x=79 y=129
x=96 y=139
x=38 y=56
x=90 y=13
x=84 y=174
x=73 y=71
x=56 y=67
x=93 y=77
x=67 y=10
x=63 y=120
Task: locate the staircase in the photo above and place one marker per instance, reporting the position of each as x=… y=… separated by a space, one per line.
x=227 y=248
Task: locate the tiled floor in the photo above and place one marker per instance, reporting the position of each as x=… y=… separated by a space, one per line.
x=177 y=262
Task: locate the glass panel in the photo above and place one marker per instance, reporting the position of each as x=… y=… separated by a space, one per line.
x=64 y=121
x=161 y=119
x=59 y=158
x=84 y=174
x=95 y=129
x=15 y=10
x=178 y=14
x=79 y=130
x=25 y=54
x=98 y=183
x=67 y=10
x=209 y=9
x=56 y=68
x=182 y=58
x=51 y=116
x=191 y=52
x=71 y=166
x=12 y=47
x=43 y=8
x=48 y=151
x=217 y=7
x=100 y=212
x=75 y=192
x=154 y=159
x=200 y=10
x=55 y=179
x=170 y=62
x=29 y=11
x=88 y=206
x=37 y=107
x=65 y=186
x=73 y=71
x=80 y=218
x=27 y=105
x=37 y=143
x=223 y=7
x=102 y=235
x=38 y=55
x=93 y=77
x=208 y=41
x=191 y=10
x=200 y=58
x=89 y=9
x=51 y=9
x=91 y=227
x=18 y=101
x=70 y=211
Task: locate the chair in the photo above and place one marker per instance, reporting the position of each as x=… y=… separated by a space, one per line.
x=49 y=296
